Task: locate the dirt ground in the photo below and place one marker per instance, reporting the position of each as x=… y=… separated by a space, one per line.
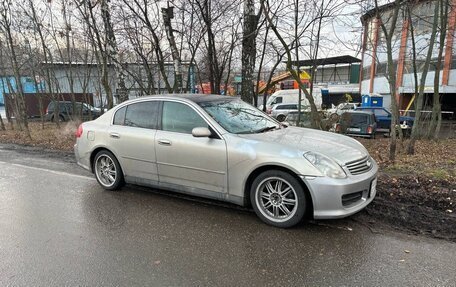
x=416 y=194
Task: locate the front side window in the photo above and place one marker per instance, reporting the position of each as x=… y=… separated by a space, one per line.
x=142 y=115
x=180 y=118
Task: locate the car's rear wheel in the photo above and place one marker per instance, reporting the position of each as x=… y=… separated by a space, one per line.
x=281 y=118
x=107 y=170
x=60 y=118
x=278 y=199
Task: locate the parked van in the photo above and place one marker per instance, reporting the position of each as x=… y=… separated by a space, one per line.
x=292 y=96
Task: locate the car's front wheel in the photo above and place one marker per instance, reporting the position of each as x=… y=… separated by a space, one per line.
x=107 y=170
x=278 y=199
x=281 y=118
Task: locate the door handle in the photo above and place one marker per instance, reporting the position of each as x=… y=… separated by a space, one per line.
x=164 y=142
x=114 y=135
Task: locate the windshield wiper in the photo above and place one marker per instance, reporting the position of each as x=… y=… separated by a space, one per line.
x=265 y=129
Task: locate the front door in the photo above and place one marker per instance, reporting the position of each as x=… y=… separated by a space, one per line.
x=186 y=161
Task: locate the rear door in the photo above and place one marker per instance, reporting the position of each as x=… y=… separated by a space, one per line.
x=184 y=161
x=132 y=138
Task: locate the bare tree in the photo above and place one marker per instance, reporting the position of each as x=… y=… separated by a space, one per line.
x=315 y=117
x=145 y=11
x=436 y=118
x=420 y=97
x=6 y=23
x=388 y=23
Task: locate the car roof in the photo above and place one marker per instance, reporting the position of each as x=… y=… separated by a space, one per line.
x=359 y=112
x=197 y=98
x=377 y=108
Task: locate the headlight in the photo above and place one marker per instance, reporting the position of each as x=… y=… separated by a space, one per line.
x=326 y=165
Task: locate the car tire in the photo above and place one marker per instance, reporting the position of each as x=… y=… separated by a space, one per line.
x=334 y=117
x=281 y=118
x=107 y=170
x=60 y=119
x=278 y=198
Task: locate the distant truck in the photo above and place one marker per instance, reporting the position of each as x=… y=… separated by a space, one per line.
x=292 y=97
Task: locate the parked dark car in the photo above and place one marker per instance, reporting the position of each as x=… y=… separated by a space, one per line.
x=67 y=111
x=383 y=118
x=357 y=123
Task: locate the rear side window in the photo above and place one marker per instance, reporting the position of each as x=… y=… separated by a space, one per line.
x=119 y=117
x=142 y=115
x=180 y=118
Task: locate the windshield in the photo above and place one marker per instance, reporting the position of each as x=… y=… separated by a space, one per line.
x=356 y=120
x=238 y=117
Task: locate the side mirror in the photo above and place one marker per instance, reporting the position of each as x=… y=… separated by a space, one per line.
x=201 y=132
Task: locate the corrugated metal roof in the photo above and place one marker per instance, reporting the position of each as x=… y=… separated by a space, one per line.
x=327 y=61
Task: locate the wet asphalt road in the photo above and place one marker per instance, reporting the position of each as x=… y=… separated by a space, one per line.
x=58 y=227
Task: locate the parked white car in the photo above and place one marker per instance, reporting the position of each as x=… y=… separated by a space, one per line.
x=281 y=111
x=341 y=108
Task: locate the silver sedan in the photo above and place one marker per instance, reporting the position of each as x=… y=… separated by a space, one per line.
x=222 y=148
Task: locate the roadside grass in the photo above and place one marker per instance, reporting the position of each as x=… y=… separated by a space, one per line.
x=433 y=159
x=49 y=137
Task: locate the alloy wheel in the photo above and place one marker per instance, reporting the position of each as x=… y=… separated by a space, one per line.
x=106 y=170
x=277 y=199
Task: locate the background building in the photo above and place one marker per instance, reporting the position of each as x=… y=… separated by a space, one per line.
x=374 y=56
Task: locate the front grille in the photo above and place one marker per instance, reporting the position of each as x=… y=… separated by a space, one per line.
x=359 y=166
x=349 y=199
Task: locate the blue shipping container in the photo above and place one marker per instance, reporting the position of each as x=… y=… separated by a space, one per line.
x=372 y=101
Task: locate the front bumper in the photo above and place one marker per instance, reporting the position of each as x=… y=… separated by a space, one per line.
x=337 y=198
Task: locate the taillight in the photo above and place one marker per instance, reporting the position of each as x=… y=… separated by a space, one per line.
x=269 y=111
x=47 y=110
x=79 y=131
x=370 y=129
x=338 y=128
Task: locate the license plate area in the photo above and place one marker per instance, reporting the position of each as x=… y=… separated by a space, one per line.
x=353 y=129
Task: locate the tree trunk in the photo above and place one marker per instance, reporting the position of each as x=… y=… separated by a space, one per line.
x=419 y=101
x=436 y=118
x=248 y=51
x=168 y=14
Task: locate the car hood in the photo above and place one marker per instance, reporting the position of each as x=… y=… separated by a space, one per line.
x=340 y=148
